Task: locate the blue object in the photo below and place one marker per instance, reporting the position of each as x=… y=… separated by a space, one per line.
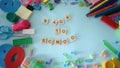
x=117 y=19
x=5 y=32
x=109 y=11
x=37 y=7
x=74 y=3
x=9 y=5
x=57 y=1
x=3 y=51
x=88 y=60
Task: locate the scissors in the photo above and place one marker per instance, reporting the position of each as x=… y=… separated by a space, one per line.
x=113 y=50
x=108 y=64
x=5 y=32
x=114 y=63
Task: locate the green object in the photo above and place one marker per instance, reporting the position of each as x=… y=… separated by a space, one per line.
x=22 y=41
x=109 y=46
x=12 y=17
x=50 y=5
x=57 y=63
x=66 y=55
x=35 y=64
x=78 y=60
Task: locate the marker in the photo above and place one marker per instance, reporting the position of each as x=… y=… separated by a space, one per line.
x=109 y=11
x=114 y=51
x=105 y=6
x=104 y=1
x=96 y=3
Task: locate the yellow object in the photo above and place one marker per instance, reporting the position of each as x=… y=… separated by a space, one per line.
x=104 y=1
x=23 y=12
x=108 y=64
x=91 y=56
x=45 y=1
x=116 y=61
x=102 y=52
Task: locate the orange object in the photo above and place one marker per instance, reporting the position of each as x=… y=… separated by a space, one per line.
x=95 y=65
x=105 y=8
x=108 y=64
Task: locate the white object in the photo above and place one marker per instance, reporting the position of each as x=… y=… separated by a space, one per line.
x=29 y=31
x=54 y=22
x=63 y=31
x=23 y=12
x=73 y=38
x=64 y=41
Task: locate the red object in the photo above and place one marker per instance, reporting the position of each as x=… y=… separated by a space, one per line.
x=96 y=4
x=37 y=1
x=109 y=22
x=23 y=24
x=25 y=3
x=15 y=51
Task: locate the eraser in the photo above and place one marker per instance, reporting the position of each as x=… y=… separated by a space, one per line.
x=22 y=41
x=109 y=22
x=28 y=31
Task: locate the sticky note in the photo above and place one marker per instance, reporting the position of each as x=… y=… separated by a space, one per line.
x=23 y=12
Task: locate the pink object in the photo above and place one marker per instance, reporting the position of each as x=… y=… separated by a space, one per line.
x=94 y=1
x=25 y=3
x=37 y=1
x=23 y=24
x=85 y=66
x=105 y=55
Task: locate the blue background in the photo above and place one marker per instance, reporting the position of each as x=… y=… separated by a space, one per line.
x=90 y=32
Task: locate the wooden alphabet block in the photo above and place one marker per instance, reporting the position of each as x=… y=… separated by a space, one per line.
x=50 y=41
